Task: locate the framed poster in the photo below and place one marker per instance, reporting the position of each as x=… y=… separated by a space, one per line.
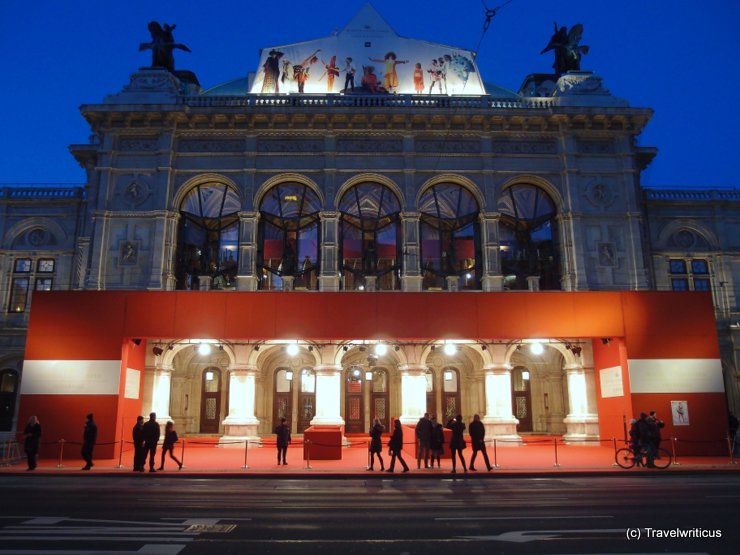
x=680 y=413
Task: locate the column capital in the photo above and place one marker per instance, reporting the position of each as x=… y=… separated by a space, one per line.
x=163 y=368
x=327 y=369
x=497 y=368
x=413 y=369
x=242 y=369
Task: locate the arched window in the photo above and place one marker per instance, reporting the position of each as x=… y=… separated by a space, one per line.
x=529 y=238
x=288 y=237
x=370 y=232
x=450 y=237
x=208 y=238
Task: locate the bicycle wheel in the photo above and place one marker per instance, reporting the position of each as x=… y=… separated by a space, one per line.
x=625 y=458
x=662 y=459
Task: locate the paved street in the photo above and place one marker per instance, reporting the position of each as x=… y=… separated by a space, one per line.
x=503 y=514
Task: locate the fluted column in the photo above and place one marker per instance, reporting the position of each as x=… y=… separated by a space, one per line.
x=413 y=392
x=581 y=424
x=241 y=424
x=328 y=395
x=499 y=420
x=161 y=387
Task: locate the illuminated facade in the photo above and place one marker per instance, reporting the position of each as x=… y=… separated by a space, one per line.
x=398 y=191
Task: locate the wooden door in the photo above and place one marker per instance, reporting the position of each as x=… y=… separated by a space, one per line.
x=521 y=398
x=354 y=417
x=283 y=399
x=450 y=394
x=210 y=403
x=379 y=398
x=307 y=399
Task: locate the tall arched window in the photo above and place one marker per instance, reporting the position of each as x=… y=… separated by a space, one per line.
x=450 y=237
x=208 y=237
x=288 y=237
x=370 y=234
x=529 y=238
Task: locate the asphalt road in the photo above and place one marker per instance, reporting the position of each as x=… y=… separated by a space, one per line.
x=156 y=515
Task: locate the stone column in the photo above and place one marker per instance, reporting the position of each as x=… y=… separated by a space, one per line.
x=247 y=279
x=413 y=393
x=581 y=424
x=499 y=420
x=411 y=277
x=329 y=275
x=161 y=387
x=241 y=424
x=328 y=395
x=491 y=280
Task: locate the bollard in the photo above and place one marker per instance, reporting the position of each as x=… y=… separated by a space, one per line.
x=307 y=443
x=182 y=453
x=246 y=450
x=369 y=441
x=61 y=454
x=614 y=442
x=555 y=441
x=120 y=455
x=495 y=454
x=673 y=448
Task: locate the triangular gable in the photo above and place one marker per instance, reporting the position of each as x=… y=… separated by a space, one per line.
x=368 y=22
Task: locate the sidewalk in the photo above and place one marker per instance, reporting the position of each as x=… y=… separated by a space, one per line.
x=205 y=458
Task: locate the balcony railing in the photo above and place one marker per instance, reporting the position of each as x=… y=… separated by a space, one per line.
x=22 y=191
x=690 y=195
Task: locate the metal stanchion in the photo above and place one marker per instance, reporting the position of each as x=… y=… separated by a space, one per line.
x=675 y=451
x=61 y=453
x=730 y=449
x=555 y=442
x=495 y=454
x=120 y=455
x=246 y=450
x=369 y=441
x=182 y=454
x=614 y=442
x=307 y=443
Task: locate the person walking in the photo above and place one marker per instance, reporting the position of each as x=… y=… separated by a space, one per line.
x=376 y=444
x=283 y=440
x=32 y=434
x=436 y=442
x=137 y=436
x=151 y=438
x=478 y=439
x=89 y=438
x=423 y=435
x=170 y=438
x=457 y=442
x=395 y=446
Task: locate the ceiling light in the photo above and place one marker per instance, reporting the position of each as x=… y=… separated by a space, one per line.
x=204 y=349
x=450 y=349
x=381 y=349
x=292 y=349
x=136 y=341
x=536 y=348
x=157 y=351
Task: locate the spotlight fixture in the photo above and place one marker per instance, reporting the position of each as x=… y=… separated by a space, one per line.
x=345 y=348
x=483 y=347
x=397 y=348
x=170 y=347
x=605 y=340
x=204 y=349
x=256 y=347
x=310 y=348
x=157 y=351
x=136 y=341
x=433 y=348
x=576 y=350
x=362 y=349
x=220 y=347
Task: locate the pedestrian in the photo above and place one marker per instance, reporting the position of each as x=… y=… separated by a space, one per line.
x=32 y=434
x=170 y=438
x=283 y=440
x=376 y=444
x=89 y=438
x=151 y=438
x=137 y=436
x=423 y=435
x=395 y=446
x=478 y=440
x=645 y=439
x=436 y=442
x=457 y=441
x=658 y=425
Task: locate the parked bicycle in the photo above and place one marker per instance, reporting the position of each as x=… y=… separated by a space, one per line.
x=627 y=458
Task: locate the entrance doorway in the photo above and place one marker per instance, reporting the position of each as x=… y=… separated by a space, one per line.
x=283 y=405
x=307 y=399
x=354 y=413
x=379 y=397
x=431 y=396
x=210 y=404
x=521 y=398
x=450 y=394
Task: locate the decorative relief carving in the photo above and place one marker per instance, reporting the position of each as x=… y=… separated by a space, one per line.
x=139 y=144
x=369 y=145
x=600 y=194
x=524 y=147
x=211 y=145
x=290 y=145
x=580 y=83
x=152 y=81
x=441 y=145
x=134 y=190
x=596 y=147
x=683 y=239
x=128 y=253
x=607 y=254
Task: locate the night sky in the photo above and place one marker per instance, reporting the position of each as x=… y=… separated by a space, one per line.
x=677 y=57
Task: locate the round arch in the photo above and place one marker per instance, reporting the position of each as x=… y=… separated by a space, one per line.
x=264 y=189
x=537 y=181
x=694 y=226
x=365 y=178
x=463 y=181
x=17 y=230
x=202 y=179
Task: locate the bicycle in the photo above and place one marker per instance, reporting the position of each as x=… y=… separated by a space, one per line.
x=627 y=457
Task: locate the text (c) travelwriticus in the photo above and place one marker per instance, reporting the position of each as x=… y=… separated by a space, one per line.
x=673 y=533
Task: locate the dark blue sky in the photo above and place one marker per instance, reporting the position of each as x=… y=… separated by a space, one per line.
x=678 y=57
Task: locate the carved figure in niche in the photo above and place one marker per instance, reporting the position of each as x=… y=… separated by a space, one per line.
x=128 y=253
x=567 y=50
x=607 y=256
x=162 y=45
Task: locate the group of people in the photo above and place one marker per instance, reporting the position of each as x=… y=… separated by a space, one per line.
x=645 y=436
x=145 y=436
x=430 y=440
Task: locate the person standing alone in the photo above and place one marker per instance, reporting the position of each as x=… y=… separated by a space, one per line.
x=151 y=438
x=137 y=436
x=89 y=438
x=478 y=439
x=283 y=440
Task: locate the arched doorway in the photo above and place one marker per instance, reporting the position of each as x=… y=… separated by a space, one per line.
x=210 y=401
x=521 y=398
x=283 y=398
x=379 y=397
x=354 y=417
x=8 y=394
x=307 y=399
x=450 y=393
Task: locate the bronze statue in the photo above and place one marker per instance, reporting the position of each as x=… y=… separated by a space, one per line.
x=567 y=50
x=162 y=45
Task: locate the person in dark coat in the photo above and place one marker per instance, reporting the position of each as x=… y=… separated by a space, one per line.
x=89 y=438
x=395 y=446
x=457 y=442
x=436 y=442
x=478 y=439
x=658 y=425
x=137 y=436
x=376 y=444
x=32 y=434
x=283 y=440
x=151 y=438
x=170 y=438
x=645 y=438
x=423 y=435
